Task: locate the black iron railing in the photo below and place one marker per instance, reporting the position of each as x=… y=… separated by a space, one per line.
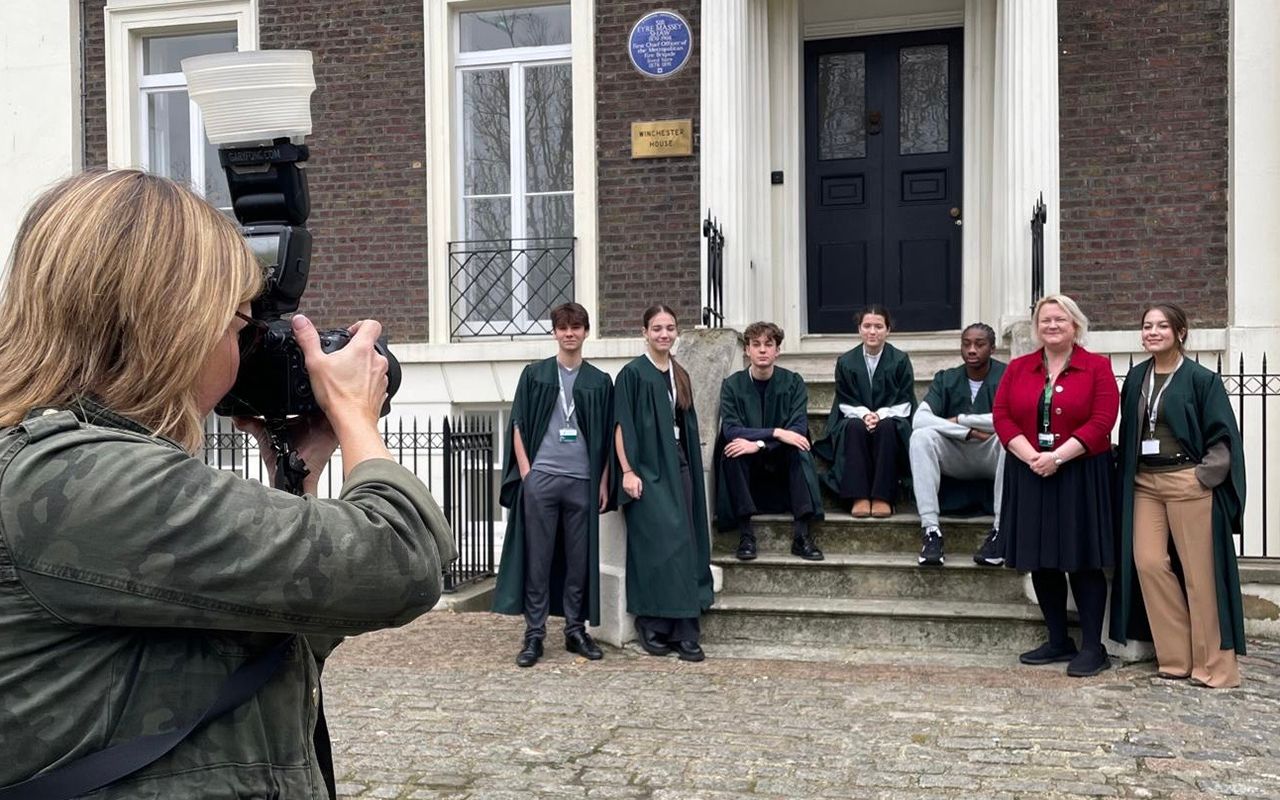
x=455 y=459
x=713 y=311
x=1252 y=394
x=507 y=287
x=1039 y=214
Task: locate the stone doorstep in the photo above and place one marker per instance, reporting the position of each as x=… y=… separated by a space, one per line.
x=876 y=607
x=841 y=533
x=476 y=596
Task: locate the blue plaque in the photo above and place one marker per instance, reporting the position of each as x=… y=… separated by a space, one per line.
x=660 y=44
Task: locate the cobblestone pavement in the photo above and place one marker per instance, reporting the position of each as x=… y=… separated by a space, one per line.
x=439 y=710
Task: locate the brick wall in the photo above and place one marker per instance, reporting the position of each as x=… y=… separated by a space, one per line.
x=1144 y=156
x=649 y=209
x=366 y=173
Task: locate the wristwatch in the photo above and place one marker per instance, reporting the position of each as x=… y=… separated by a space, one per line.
x=759 y=444
x=1057 y=461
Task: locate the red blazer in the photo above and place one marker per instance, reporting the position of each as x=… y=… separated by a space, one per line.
x=1085 y=401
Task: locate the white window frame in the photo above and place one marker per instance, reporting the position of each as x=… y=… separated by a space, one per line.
x=163 y=83
x=128 y=22
x=445 y=218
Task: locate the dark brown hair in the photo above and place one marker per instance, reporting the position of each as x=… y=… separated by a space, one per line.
x=877 y=309
x=684 y=386
x=762 y=330
x=570 y=314
x=1176 y=316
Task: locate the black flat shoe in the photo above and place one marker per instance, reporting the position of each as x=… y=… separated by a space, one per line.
x=1049 y=653
x=689 y=651
x=804 y=547
x=532 y=651
x=580 y=642
x=1088 y=663
x=746 y=548
x=651 y=643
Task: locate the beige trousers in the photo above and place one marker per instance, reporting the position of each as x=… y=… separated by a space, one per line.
x=1184 y=627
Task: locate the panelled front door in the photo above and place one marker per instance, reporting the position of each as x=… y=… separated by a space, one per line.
x=883 y=120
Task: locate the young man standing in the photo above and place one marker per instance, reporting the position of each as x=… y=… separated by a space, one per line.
x=953 y=436
x=555 y=483
x=763 y=463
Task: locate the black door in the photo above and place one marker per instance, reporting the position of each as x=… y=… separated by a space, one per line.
x=883 y=165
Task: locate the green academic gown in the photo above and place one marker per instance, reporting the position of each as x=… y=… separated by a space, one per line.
x=1196 y=408
x=948 y=396
x=536 y=395
x=786 y=405
x=668 y=565
x=894 y=383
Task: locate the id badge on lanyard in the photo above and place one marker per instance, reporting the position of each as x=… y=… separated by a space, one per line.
x=1046 y=439
x=569 y=433
x=1151 y=445
x=671 y=376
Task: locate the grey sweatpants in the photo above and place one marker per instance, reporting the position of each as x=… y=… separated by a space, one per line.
x=934 y=455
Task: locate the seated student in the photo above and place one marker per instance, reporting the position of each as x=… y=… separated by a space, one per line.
x=763 y=463
x=869 y=425
x=953 y=436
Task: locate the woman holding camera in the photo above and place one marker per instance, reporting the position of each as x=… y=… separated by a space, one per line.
x=134 y=580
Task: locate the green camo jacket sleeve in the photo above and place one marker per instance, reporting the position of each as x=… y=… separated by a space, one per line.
x=106 y=527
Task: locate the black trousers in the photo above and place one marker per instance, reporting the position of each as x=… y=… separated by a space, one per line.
x=870 y=461
x=553 y=503
x=687 y=629
x=1089 y=586
x=768 y=482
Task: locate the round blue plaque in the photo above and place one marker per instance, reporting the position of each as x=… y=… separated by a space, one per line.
x=660 y=44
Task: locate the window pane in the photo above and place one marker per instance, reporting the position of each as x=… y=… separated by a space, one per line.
x=548 y=116
x=549 y=264
x=161 y=54
x=517 y=27
x=169 y=135
x=486 y=276
x=923 y=98
x=842 y=106
x=486 y=134
x=215 y=180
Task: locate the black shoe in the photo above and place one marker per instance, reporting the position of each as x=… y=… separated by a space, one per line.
x=689 y=651
x=991 y=553
x=746 y=547
x=802 y=545
x=1088 y=663
x=652 y=643
x=930 y=548
x=580 y=642
x=531 y=653
x=1049 y=653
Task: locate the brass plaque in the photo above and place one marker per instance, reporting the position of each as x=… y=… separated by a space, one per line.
x=662 y=138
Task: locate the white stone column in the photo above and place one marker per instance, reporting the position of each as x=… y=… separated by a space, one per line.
x=734 y=148
x=1025 y=151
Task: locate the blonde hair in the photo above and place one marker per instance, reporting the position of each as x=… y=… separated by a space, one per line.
x=1066 y=304
x=120 y=285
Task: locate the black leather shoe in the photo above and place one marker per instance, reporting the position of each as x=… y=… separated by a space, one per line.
x=803 y=546
x=689 y=651
x=1088 y=663
x=580 y=642
x=746 y=547
x=531 y=653
x=652 y=644
x=1049 y=653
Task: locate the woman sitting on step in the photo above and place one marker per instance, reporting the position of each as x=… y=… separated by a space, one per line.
x=870 y=421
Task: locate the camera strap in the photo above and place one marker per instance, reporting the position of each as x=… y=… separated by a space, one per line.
x=107 y=766
x=290 y=468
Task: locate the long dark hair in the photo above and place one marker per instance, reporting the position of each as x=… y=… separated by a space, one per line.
x=1177 y=320
x=684 y=386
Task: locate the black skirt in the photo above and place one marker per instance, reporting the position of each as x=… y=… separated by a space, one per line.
x=1061 y=522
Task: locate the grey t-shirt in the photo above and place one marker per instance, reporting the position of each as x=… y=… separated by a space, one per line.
x=563 y=458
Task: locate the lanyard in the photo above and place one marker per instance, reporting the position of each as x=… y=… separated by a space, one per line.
x=567 y=406
x=1153 y=404
x=671 y=376
x=1047 y=398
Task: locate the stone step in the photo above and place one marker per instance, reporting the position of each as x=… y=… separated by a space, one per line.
x=871 y=575
x=980 y=628
x=841 y=533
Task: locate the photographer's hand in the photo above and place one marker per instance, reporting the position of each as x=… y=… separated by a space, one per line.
x=350 y=386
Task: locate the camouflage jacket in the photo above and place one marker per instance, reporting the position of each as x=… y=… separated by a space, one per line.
x=134 y=579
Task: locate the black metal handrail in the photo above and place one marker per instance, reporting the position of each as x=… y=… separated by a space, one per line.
x=455 y=459
x=1039 y=215
x=507 y=287
x=713 y=311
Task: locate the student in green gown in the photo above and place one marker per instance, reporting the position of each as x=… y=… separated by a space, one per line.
x=556 y=483
x=763 y=463
x=659 y=457
x=1181 y=478
x=870 y=422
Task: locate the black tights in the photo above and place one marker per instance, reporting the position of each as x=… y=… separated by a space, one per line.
x=1089 y=586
